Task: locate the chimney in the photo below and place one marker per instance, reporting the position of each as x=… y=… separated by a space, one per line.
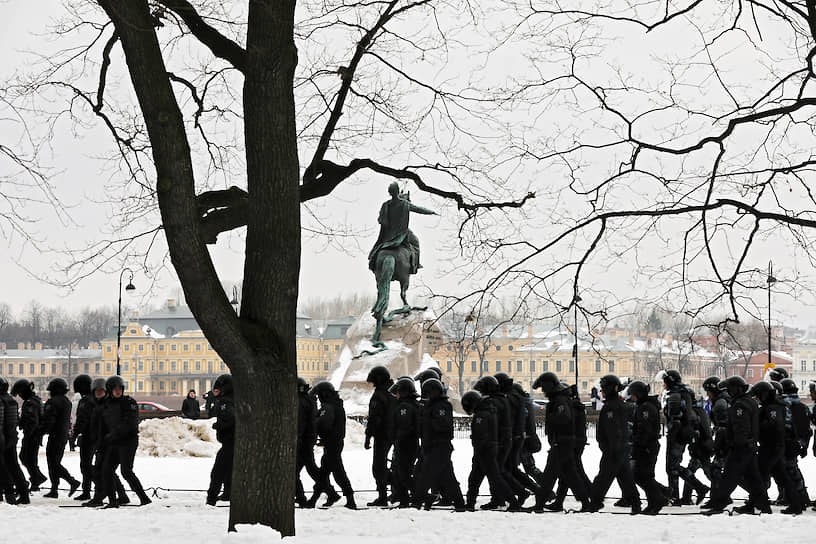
x=171 y=304
x=38 y=346
x=93 y=345
x=530 y=331
x=28 y=345
x=631 y=338
x=20 y=346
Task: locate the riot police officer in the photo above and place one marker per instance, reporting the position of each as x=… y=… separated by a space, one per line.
x=30 y=423
x=379 y=418
x=224 y=410
x=646 y=445
x=405 y=436
x=11 y=472
x=56 y=422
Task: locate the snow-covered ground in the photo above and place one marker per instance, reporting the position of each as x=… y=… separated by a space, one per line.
x=173 y=461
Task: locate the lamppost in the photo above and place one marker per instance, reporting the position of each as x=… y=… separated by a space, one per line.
x=771 y=280
x=129 y=287
x=234 y=301
x=576 y=299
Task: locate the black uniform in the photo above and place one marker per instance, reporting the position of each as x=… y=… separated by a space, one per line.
x=645 y=447
x=379 y=417
x=304 y=451
x=92 y=436
x=771 y=457
x=484 y=438
x=405 y=435
x=30 y=417
x=518 y=410
x=700 y=449
x=120 y=434
x=719 y=429
x=797 y=438
x=613 y=440
x=741 y=466
x=681 y=421
x=82 y=425
x=561 y=462
x=436 y=434
x=580 y=424
x=221 y=473
x=331 y=428
x=56 y=423
x=12 y=477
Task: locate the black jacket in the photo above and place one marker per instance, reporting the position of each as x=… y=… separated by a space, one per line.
x=504 y=415
x=484 y=424
x=306 y=419
x=190 y=408
x=801 y=424
x=613 y=426
x=518 y=412
x=560 y=419
x=379 y=414
x=31 y=415
x=646 y=426
x=772 y=427
x=681 y=419
x=224 y=419
x=9 y=420
x=331 y=421
x=82 y=422
x=405 y=420
x=436 y=423
x=743 y=428
x=120 y=420
x=57 y=418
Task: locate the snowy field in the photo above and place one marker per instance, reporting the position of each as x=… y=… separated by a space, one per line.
x=181 y=516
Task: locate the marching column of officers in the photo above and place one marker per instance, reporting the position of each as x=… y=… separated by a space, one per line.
x=107 y=432
x=738 y=436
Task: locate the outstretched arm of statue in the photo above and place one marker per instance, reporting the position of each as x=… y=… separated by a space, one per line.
x=420 y=209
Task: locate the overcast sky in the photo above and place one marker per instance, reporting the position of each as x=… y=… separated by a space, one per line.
x=326 y=268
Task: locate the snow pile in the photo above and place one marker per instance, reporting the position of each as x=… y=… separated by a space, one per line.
x=355 y=433
x=177 y=437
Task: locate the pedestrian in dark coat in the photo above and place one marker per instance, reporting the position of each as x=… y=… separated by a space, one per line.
x=190 y=408
x=56 y=423
x=331 y=428
x=221 y=474
x=120 y=434
x=30 y=423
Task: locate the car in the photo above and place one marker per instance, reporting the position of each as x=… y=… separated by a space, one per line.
x=147 y=407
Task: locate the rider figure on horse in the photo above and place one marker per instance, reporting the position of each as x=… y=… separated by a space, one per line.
x=394 y=231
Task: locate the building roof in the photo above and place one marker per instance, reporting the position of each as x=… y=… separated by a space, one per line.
x=50 y=353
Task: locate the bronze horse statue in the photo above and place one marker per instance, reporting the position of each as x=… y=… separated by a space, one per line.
x=392 y=264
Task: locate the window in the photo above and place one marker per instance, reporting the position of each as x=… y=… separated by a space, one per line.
x=804 y=365
x=450 y=366
x=545 y=365
x=108 y=349
x=87 y=367
x=173 y=385
x=161 y=347
x=22 y=369
x=140 y=385
x=141 y=366
x=141 y=347
x=126 y=366
x=223 y=366
x=126 y=347
x=498 y=348
x=210 y=367
x=584 y=386
x=31 y=368
x=532 y=367
x=172 y=366
x=325 y=365
x=814 y=366
x=186 y=347
x=498 y=366
x=326 y=347
x=510 y=347
x=107 y=368
x=185 y=366
x=42 y=368
x=133 y=331
x=572 y=366
x=597 y=365
x=449 y=348
x=153 y=366
x=611 y=366
x=486 y=366
x=750 y=372
x=519 y=366
x=97 y=368
x=161 y=386
x=198 y=366
x=198 y=347
x=473 y=366
x=558 y=366
x=1 y=368
x=173 y=347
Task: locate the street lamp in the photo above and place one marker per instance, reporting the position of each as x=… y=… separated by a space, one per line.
x=234 y=300
x=575 y=302
x=771 y=280
x=129 y=288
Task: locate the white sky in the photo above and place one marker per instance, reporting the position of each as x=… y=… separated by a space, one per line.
x=326 y=271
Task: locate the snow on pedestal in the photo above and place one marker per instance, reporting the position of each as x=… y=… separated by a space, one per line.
x=405 y=355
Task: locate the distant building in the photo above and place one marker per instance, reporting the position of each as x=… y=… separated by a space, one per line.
x=753 y=370
x=803 y=369
x=40 y=365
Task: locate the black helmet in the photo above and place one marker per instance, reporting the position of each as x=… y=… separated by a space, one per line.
x=57 y=386
x=98 y=383
x=113 y=382
x=764 y=391
x=611 y=382
x=487 y=385
x=672 y=377
x=4 y=385
x=638 y=389
x=710 y=384
x=323 y=390
x=404 y=386
x=82 y=384
x=547 y=382
x=789 y=386
x=520 y=389
x=505 y=381
x=432 y=388
x=470 y=400
x=778 y=374
x=302 y=385
x=224 y=384
x=427 y=374
x=378 y=376
x=777 y=387
x=735 y=385
x=22 y=388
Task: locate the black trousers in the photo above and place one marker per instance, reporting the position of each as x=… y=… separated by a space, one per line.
x=304 y=458
x=86 y=456
x=402 y=468
x=54 y=451
x=561 y=465
x=12 y=476
x=614 y=464
x=331 y=464
x=518 y=480
x=561 y=494
x=221 y=473
x=643 y=473
x=674 y=468
x=379 y=465
x=121 y=456
x=741 y=468
x=772 y=464
x=97 y=469
x=437 y=471
x=29 y=457
x=485 y=464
